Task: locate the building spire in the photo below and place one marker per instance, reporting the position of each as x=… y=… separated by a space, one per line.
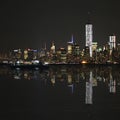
x=45 y=46
x=88 y=19
x=72 y=40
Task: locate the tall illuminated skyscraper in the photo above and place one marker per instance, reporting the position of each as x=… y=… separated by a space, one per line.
x=112 y=42
x=89 y=37
x=70 y=46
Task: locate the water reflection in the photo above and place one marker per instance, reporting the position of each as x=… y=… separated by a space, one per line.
x=81 y=79
x=29 y=74
x=89 y=89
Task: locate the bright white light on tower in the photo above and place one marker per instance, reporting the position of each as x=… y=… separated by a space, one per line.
x=89 y=37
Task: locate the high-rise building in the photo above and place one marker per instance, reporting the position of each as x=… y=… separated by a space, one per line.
x=76 y=50
x=94 y=46
x=17 y=54
x=89 y=37
x=118 y=47
x=112 y=42
x=70 y=46
x=30 y=54
x=53 y=48
x=63 y=56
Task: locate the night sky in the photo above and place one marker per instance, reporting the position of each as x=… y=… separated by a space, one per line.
x=31 y=24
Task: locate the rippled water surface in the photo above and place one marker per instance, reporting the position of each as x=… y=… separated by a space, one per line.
x=60 y=92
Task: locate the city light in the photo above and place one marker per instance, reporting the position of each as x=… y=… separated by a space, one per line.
x=92 y=53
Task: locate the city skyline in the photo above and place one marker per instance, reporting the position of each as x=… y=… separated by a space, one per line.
x=31 y=24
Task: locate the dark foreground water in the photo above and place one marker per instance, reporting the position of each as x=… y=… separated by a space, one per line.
x=60 y=93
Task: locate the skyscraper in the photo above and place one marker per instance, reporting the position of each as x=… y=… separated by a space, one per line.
x=70 y=46
x=89 y=37
x=112 y=42
x=53 y=48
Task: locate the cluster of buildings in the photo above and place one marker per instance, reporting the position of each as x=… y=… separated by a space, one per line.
x=72 y=54
x=92 y=53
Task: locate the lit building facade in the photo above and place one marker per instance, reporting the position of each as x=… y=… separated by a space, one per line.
x=94 y=46
x=76 y=50
x=70 y=46
x=52 y=48
x=112 y=43
x=30 y=54
x=89 y=37
x=17 y=54
x=63 y=56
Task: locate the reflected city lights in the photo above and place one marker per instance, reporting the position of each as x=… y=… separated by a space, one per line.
x=73 y=78
x=89 y=90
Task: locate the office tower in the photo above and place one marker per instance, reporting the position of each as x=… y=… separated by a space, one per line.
x=94 y=46
x=63 y=57
x=70 y=46
x=76 y=50
x=30 y=54
x=112 y=43
x=53 y=48
x=89 y=37
x=17 y=54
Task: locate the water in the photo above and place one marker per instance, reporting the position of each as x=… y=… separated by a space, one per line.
x=60 y=92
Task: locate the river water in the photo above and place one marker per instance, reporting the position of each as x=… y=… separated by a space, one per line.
x=60 y=93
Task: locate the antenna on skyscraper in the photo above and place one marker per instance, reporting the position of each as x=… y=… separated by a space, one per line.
x=72 y=40
x=45 y=46
x=88 y=19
